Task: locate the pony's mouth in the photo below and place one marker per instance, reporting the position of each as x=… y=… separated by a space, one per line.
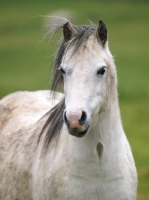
x=77 y=133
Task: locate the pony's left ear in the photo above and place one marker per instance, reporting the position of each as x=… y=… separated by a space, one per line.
x=68 y=31
x=102 y=32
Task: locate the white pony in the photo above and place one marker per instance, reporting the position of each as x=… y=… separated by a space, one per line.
x=77 y=150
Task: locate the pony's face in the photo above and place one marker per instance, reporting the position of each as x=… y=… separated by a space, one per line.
x=85 y=84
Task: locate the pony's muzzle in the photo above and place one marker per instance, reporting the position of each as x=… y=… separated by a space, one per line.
x=76 y=121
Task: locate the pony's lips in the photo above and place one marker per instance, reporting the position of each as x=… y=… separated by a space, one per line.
x=77 y=133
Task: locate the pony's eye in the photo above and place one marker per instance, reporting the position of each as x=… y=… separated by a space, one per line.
x=62 y=70
x=101 y=71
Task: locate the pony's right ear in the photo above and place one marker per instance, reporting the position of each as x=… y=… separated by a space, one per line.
x=102 y=32
x=68 y=31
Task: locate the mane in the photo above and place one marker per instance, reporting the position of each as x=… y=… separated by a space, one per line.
x=54 y=122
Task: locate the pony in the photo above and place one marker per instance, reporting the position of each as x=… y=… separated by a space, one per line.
x=69 y=146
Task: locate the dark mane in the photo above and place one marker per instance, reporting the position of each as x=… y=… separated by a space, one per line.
x=54 y=121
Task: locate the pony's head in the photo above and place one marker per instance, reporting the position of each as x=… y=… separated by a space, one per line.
x=85 y=67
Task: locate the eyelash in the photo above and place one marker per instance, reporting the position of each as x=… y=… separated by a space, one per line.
x=62 y=70
x=102 y=70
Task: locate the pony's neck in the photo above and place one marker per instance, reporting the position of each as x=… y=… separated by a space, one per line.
x=104 y=130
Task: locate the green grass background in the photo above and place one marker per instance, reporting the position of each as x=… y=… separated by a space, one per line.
x=26 y=63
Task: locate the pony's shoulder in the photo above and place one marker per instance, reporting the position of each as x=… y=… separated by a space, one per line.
x=22 y=98
x=26 y=103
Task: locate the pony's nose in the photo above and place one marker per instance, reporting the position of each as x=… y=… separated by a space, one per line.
x=75 y=119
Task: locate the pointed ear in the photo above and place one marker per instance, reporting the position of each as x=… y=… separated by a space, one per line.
x=68 y=31
x=102 y=32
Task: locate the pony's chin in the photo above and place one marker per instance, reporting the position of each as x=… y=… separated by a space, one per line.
x=77 y=133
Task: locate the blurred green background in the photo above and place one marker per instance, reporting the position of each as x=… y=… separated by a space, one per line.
x=26 y=62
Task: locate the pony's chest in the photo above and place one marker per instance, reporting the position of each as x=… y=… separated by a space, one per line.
x=84 y=183
x=87 y=188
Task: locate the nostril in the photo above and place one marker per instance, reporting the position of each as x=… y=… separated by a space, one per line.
x=83 y=118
